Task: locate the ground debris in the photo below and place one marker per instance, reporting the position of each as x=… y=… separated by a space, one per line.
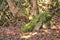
x=43 y=34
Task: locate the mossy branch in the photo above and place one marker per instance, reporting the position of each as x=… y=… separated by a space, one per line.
x=30 y=25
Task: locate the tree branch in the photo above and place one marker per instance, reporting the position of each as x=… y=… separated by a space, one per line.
x=14 y=10
x=34 y=9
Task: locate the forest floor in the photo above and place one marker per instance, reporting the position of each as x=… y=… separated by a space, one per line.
x=13 y=33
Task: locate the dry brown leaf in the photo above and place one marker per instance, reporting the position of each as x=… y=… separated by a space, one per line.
x=30 y=17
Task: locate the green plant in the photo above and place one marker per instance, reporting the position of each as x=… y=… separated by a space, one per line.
x=44 y=17
x=29 y=26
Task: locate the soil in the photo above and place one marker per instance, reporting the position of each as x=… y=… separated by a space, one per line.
x=11 y=33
